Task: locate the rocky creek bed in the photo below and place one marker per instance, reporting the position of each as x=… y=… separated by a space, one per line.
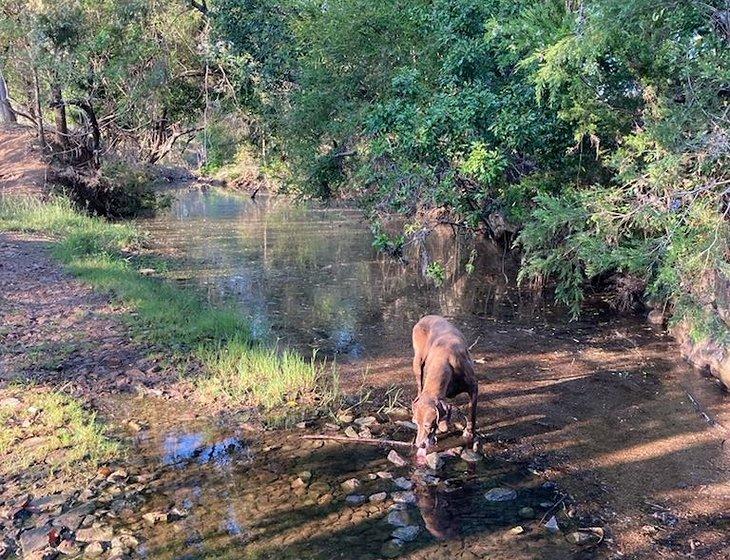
x=196 y=489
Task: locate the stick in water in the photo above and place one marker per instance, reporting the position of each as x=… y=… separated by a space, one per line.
x=371 y=441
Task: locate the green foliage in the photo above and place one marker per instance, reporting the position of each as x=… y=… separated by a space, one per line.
x=436 y=272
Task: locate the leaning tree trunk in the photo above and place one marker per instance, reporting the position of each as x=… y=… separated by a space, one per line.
x=59 y=112
x=6 y=111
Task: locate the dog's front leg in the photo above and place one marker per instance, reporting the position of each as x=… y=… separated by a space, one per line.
x=471 y=419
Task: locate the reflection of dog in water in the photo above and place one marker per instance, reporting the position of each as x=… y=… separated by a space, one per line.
x=436 y=512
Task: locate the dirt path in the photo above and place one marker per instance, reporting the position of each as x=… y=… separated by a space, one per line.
x=22 y=172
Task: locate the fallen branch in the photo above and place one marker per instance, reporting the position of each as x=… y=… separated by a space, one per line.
x=370 y=441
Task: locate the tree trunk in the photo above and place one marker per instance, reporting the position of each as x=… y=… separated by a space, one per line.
x=59 y=111
x=6 y=111
x=38 y=110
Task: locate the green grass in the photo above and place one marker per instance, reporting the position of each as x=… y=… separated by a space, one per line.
x=237 y=368
x=53 y=428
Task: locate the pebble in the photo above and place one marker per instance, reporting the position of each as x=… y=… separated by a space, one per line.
x=68 y=548
x=470 y=456
x=403 y=483
x=154 y=517
x=95 y=534
x=350 y=485
x=552 y=525
x=399 y=518
x=351 y=432
x=518 y=530
x=403 y=497
x=527 y=513
x=501 y=494
x=384 y=474
x=378 y=497
x=355 y=499
x=435 y=461
x=298 y=483
x=94 y=549
x=406 y=534
x=305 y=476
x=396 y=459
x=366 y=421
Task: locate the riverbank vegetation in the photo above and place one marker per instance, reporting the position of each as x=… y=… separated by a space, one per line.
x=590 y=135
x=236 y=368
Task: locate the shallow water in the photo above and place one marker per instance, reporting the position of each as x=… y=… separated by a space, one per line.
x=237 y=492
x=309 y=275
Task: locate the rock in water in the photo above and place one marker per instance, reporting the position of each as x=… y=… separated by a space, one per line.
x=392 y=548
x=396 y=459
x=403 y=497
x=552 y=525
x=470 y=456
x=406 y=534
x=501 y=494
x=403 y=483
x=399 y=518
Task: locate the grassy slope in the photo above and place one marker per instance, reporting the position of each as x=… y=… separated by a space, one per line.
x=236 y=368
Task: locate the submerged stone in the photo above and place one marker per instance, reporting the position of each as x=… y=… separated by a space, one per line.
x=392 y=548
x=355 y=499
x=406 y=534
x=399 y=518
x=403 y=483
x=501 y=494
x=403 y=497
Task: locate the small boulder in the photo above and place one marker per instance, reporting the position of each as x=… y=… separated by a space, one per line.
x=378 y=497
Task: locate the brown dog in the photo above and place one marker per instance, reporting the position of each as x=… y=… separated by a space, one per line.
x=443 y=369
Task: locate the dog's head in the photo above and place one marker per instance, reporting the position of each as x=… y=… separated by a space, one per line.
x=427 y=413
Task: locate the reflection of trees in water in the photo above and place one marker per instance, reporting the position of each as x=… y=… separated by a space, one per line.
x=313 y=271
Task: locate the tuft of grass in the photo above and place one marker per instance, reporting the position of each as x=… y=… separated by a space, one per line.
x=237 y=368
x=51 y=428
